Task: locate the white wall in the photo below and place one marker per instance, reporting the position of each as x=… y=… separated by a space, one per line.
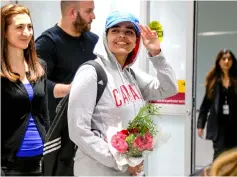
x=170 y=159
x=103 y=9
x=173 y=16
x=4 y=2
x=45 y=14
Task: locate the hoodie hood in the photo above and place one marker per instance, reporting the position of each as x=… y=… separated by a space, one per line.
x=101 y=48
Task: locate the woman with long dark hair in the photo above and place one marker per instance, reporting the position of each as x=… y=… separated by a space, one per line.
x=24 y=112
x=220 y=102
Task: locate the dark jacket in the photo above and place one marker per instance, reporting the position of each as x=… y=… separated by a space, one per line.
x=209 y=111
x=15 y=114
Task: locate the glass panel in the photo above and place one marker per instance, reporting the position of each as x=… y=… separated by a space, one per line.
x=175 y=18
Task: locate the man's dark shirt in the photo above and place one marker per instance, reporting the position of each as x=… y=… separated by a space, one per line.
x=63 y=54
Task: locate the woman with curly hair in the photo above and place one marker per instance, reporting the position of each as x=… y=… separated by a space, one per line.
x=219 y=105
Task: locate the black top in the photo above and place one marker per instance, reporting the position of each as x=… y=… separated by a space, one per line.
x=15 y=113
x=225 y=99
x=63 y=54
x=228 y=122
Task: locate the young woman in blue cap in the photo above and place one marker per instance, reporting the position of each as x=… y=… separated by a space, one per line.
x=122 y=97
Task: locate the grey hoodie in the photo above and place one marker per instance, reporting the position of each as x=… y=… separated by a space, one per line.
x=120 y=102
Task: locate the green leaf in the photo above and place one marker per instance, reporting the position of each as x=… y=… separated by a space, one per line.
x=130 y=138
x=143 y=122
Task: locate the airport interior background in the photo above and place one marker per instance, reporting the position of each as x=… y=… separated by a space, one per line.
x=191 y=34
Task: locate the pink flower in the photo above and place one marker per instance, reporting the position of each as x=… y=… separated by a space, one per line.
x=143 y=142
x=123 y=134
x=148 y=141
x=119 y=143
x=138 y=143
x=148 y=138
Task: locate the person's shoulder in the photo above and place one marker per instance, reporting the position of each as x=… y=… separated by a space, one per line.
x=49 y=33
x=92 y=34
x=43 y=63
x=94 y=37
x=47 y=39
x=3 y=80
x=53 y=29
x=44 y=66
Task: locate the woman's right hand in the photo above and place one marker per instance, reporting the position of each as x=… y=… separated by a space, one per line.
x=200 y=132
x=137 y=169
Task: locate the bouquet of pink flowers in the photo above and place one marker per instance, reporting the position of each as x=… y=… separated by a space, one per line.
x=139 y=136
x=129 y=145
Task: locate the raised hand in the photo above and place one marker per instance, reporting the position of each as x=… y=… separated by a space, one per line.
x=150 y=40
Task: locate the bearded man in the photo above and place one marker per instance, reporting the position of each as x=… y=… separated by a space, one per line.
x=66 y=46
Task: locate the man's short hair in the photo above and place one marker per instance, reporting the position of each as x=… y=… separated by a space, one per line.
x=66 y=4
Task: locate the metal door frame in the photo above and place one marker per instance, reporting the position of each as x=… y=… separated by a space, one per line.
x=190 y=93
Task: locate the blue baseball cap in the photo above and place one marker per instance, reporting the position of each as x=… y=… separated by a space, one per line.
x=118 y=17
